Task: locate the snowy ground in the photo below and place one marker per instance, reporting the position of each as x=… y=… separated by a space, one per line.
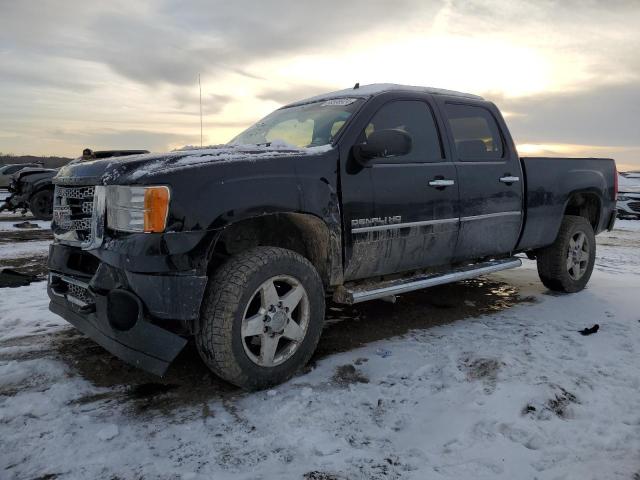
x=9 y=250
x=506 y=391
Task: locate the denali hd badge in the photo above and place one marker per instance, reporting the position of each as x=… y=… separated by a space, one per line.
x=375 y=221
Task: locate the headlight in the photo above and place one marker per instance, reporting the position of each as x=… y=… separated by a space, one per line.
x=622 y=198
x=137 y=209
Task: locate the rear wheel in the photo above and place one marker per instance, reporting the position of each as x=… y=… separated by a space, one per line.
x=41 y=204
x=261 y=318
x=567 y=264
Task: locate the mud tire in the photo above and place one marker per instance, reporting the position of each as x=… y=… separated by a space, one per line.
x=552 y=260
x=219 y=340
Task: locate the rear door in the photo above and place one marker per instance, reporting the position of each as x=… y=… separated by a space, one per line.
x=394 y=219
x=489 y=177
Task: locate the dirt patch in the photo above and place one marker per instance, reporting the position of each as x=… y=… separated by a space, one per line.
x=346 y=375
x=10 y=278
x=148 y=390
x=483 y=369
x=349 y=327
x=561 y=402
x=318 y=475
x=25 y=235
x=559 y=405
x=36 y=265
x=188 y=381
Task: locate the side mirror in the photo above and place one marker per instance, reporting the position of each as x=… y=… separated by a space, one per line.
x=391 y=142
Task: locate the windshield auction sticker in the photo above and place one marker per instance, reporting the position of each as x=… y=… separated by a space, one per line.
x=338 y=102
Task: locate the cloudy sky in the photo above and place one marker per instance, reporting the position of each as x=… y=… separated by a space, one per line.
x=124 y=74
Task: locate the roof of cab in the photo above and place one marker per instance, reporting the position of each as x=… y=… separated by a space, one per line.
x=376 y=88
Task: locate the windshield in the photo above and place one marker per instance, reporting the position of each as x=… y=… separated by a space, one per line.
x=309 y=125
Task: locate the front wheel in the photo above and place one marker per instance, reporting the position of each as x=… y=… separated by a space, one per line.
x=261 y=317
x=567 y=264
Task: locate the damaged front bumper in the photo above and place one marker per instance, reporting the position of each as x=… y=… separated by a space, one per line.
x=129 y=314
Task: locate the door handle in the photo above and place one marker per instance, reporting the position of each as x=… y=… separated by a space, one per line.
x=441 y=183
x=509 y=179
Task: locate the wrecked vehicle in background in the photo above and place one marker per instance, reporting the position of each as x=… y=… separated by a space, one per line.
x=31 y=188
x=7 y=171
x=357 y=195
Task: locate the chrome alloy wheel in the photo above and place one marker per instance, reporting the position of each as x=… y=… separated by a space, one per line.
x=275 y=321
x=578 y=256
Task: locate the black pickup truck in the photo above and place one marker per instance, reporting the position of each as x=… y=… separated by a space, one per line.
x=353 y=195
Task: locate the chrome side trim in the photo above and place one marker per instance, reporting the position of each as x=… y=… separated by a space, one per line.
x=377 y=228
x=490 y=215
x=405 y=286
x=71 y=280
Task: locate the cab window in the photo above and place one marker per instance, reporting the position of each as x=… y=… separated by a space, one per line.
x=415 y=118
x=475 y=133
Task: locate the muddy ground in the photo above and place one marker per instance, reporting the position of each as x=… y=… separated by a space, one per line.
x=189 y=382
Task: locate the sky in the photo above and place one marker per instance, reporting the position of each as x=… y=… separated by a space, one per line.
x=124 y=74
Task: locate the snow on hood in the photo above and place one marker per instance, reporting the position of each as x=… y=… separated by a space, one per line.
x=190 y=156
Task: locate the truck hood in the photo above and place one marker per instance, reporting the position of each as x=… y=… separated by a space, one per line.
x=32 y=170
x=135 y=168
x=33 y=174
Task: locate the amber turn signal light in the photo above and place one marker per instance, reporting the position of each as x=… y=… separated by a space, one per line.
x=156 y=209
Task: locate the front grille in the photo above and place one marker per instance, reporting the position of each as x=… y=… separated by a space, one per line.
x=72 y=213
x=635 y=206
x=74 y=291
x=79 y=293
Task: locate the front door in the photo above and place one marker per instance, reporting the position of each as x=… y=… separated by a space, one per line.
x=400 y=213
x=490 y=179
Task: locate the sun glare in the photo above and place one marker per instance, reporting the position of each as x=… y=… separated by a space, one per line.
x=462 y=63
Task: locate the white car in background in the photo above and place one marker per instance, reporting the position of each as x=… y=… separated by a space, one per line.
x=628 y=202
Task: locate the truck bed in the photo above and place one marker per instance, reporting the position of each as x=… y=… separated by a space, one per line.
x=549 y=184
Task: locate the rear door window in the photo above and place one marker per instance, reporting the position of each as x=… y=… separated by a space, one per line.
x=475 y=132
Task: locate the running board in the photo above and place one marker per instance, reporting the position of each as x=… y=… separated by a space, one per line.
x=371 y=291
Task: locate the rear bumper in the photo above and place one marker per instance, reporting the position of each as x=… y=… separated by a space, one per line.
x=124 y=312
